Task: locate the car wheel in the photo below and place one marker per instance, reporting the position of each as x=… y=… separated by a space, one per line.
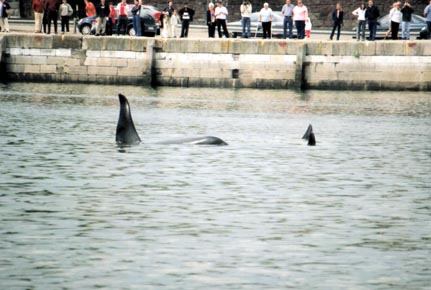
x=86 y=29
x=131 y=32
x=234 y=35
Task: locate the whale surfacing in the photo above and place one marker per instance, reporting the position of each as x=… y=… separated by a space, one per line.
x=309 y=136
x=126 y=133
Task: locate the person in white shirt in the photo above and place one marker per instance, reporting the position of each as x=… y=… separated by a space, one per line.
x=221 y=14
x=300 y=14
x=246 y=14
x=360 y=27
x=396 y=18
x=265 y=16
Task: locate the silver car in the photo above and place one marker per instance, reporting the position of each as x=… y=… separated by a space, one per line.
x=235 y=28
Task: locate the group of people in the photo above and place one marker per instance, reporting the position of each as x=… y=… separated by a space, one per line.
x=371 y=13
x=171 y=18
x=49 y=11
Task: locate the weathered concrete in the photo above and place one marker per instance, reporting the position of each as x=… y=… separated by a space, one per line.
x=279 y=64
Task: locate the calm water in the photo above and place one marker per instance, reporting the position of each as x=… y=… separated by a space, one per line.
x=265 y=212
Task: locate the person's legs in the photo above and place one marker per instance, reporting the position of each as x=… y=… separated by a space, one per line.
x=247 y=27
x=338 y=31
x=219 y=24
x=63 y=24
x=334 y=26
x=285 y=24
x=226 y=33
x=290 y=24
x=54 y=18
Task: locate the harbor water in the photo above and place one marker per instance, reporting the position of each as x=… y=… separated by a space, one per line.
x=265 y=212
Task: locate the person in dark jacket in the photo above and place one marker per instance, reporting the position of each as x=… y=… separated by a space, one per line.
x=211 y=21
x=407 y=12
x=51 y=9
x=102 y=12
x=186 y=15
x=337 y=18
x=372 y=14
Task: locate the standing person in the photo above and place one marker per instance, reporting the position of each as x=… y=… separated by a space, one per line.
x=4 y=11
x=337 y=18
x=300 y=14
x=90 y=10
x=360 y=27
x=427 y=14
x=175 y=20
x=221 y=14
x=186 y=15
x=396 y=17
x=265 y=16
x=123 y=12
x=111 y=19
x=167 y=13
x=136 y=14
x=407 y=12
x=65 y=12
x=287 y=12
x=38 y=6
x=245 y=9
x=211 y=20
x=371 y=14
x=52 y=14
x=102 y=11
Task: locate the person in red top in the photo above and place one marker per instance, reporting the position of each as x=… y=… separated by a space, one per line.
x=90 y=10
x=123 y=11
x=37 y=7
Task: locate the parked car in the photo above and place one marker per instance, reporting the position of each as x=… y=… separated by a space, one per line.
x=417 y=24
x=235 y=28
x=150 y=18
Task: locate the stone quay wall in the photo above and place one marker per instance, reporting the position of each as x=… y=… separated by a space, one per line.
x=232 y=63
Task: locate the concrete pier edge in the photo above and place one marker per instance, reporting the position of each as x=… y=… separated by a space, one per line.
x=230 y=63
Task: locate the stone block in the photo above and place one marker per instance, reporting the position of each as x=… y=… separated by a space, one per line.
x=72 y=61
x=94 y=70
x=24 y=59
x=69 y=41
x=130 y=72
x=120 y=62
x=47 y=52
x=63 y=52
x=93 y=53
x=31 y=68
x=48 y=69
x=42 y=60
x=75 y=70
x=15 y=68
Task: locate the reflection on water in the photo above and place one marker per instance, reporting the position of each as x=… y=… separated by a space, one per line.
x=265 y=212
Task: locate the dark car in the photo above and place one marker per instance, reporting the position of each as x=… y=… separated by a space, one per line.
x=149 y=22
